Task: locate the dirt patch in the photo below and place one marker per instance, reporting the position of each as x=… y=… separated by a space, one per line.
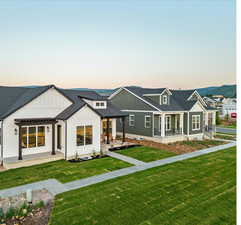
x=180 y=147
x=38 y=216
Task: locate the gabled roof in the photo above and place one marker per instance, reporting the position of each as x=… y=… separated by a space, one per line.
x=178 y=99
x=13 y=98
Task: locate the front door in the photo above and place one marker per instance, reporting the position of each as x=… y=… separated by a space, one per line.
x=59 y=136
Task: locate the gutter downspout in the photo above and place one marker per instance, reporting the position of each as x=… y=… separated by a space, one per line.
x=65 y=154
x=1 y=136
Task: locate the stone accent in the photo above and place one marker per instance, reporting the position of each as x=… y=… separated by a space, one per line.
x=18 y=200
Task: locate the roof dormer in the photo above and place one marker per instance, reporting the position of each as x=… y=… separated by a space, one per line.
x=162 y=98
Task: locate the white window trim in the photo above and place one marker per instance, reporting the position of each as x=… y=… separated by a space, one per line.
x=131 y=119
x=149 y=122
x=166 y=119
x=196 y=122
x=85 y=135
x=164 y=99
x=36 y=138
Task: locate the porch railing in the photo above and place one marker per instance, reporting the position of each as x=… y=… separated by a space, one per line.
x=171 y=132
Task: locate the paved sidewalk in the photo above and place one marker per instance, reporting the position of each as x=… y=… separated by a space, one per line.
x=125 y=158
x=55 y=187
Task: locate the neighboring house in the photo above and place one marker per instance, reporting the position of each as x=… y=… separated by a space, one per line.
x=210 y=102
x=164 y=115
x=49 y=119
x=228 y=107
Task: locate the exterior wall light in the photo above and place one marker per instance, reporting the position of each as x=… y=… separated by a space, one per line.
x=48 y=129
x=15 y=131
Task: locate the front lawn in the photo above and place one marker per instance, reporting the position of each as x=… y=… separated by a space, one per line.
x=61 y=170
x=200 y=190
x=146 y=154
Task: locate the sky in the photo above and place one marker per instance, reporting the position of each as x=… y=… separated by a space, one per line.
x=111 y=43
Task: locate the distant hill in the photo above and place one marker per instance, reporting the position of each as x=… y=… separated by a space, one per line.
x=228 y=91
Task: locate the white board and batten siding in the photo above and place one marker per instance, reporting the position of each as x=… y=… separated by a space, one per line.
x=49 y=104
x=84 y=117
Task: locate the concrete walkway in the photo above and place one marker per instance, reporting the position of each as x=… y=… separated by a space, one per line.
x=125 y=158
x=226 y=130
x=55 y=187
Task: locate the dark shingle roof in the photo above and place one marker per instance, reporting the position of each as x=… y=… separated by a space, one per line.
x=178 y=99
x=13 y=98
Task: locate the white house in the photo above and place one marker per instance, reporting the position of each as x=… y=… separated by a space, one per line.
x=228 y=106
x=48 y=119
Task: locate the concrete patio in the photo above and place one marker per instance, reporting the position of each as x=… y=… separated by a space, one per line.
x=31 y=159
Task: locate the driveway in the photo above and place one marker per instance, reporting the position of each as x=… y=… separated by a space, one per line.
x=226 y=130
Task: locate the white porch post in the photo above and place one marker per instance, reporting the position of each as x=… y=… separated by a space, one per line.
x=214 y=121
x=163 y=125
x=114 y=128
x=181 y=122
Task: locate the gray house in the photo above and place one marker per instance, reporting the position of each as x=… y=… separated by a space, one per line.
x=164 y=115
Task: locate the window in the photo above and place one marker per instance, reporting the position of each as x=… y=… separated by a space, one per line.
x=41 y=136
x=102 y=104
x=97 y=104
x=164 y=99
x=196 y=122
x=33 y=136
x=84 y=135
x=168 y=123
x=104 y=125
x=88 y=135
x=131 y=120
x=147 y=121
x=80 y=135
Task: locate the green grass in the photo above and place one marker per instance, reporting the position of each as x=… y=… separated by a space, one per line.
x=146 y=154
x=61 y=170
x=200 y=190
x=233 y=126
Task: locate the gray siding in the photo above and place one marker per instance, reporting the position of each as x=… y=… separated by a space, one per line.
x=125 y=100
x=190 y=123
x=139 y=126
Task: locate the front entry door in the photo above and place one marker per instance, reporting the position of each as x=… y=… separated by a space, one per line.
x=59 y=136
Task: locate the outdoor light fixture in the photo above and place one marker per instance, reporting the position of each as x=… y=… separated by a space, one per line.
x=15 y=131
x=48 y=129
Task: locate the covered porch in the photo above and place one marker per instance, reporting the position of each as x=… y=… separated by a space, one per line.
x=37 y=135
x=108 y=129
x=168 y=124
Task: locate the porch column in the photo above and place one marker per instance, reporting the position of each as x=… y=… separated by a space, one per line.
x=163 y=125
x=108 y=130
x=181 y=122
x=123 y=130
x=20 y=156
x=214 y=122
x=53 y=139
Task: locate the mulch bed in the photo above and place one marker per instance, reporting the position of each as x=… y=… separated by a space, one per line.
x=38 y=216
x=176 y=147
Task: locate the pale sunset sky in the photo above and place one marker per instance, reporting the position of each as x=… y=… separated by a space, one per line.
x=113 y=43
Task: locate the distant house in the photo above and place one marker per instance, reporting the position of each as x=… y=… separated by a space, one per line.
x=210 y=102
x=49 y=120
x=164 y=115
x=229 y=107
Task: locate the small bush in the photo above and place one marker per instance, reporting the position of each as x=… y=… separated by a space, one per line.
x=10 y=213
